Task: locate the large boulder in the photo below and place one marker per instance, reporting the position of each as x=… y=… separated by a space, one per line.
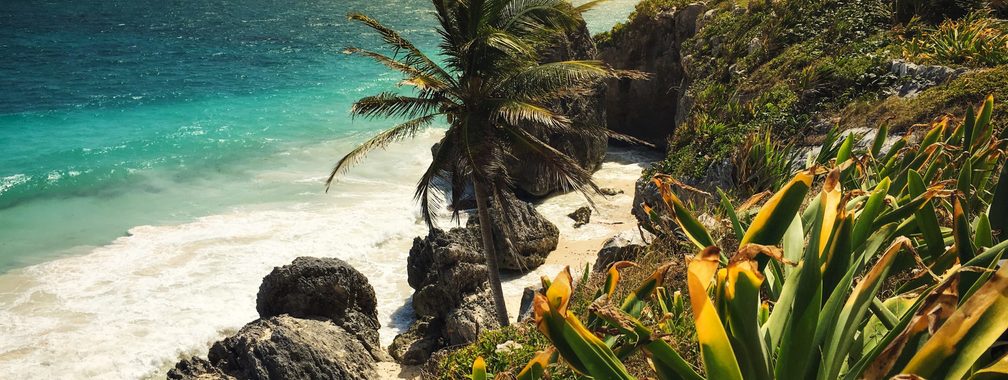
x=284 y=347
x=447 y=270
x=531 y=236
x=323 y=288
x=443 y=268
x=648 y=109
x=197 y=369
x=625 y=246
x=587 y=114
x=475 y=315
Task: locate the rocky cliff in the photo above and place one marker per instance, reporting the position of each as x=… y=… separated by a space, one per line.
x=651 y=43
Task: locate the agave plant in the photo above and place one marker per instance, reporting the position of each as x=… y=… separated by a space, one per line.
x=800 y=297
x=977 y=40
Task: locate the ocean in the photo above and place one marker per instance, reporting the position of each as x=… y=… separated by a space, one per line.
x=158 y=158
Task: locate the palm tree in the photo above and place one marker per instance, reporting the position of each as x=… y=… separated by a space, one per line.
x=495 y=96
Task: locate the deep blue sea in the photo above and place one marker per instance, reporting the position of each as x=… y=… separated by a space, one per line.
x=153 y=151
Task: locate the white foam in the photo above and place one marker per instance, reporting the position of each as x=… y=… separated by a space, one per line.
x=130 y=309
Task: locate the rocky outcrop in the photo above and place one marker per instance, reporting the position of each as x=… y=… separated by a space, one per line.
x=586 y=113
x=323 y=288
x=623 y=247
x=581 y=216
x=648 y=109
x=916 y=78
x=531 y=236
x=292 y=348
x=447 y=271
x=282 y=348
x=318 y=321
x=197 y=369
x=646 y=192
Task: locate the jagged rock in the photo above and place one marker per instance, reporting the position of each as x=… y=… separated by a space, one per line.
x=648 y=109
x=608 y=191
x=417 y=344
x=475 y=315
x=323 y=288
x=532 y=236
x=645 y=191
x=525 y=307
x=443 y=268
x=447 y=271
x=917 y=78
x=625 y=246
x=197 y=369
x=581 y=216
x=285 y=347
x=586 y=113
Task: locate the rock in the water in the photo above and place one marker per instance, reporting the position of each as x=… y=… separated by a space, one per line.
x=608 y=191
x=323 y=288
x=650 y=109
x=581 y=216
x=623 y=247
x=281 y=348
x=197 y=369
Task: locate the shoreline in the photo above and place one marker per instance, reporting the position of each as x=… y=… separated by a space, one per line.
x=576 y=246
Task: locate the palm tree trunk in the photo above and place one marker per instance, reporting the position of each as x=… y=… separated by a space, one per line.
x=486 y=229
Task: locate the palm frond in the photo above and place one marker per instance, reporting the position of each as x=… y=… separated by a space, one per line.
x=446 y=163
x=390 y=104
x=516 y=113
x=399 y=132
x=588 y=6
x=556 y=165
x=413 y=56
x=412 y=73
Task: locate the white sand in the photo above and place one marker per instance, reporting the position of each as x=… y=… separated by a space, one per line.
x=576 y=246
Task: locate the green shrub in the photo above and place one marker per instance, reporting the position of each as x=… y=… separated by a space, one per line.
x=977 y=40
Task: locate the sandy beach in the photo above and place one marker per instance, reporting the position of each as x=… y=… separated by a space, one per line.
x=577 y=246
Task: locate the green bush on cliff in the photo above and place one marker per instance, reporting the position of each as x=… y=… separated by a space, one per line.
x=773 y=66
x=902 y=113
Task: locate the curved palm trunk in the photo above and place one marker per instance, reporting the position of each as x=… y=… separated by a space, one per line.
x=486 y=229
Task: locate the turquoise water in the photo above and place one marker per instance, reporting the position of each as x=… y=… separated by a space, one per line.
x=123 y=113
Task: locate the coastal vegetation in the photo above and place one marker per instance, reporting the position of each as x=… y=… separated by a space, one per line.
x=886 y=265
x=496 y=97
x=875 y=253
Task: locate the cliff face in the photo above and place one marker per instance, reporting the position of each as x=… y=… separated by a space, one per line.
x=586 y=113
x=649 y=109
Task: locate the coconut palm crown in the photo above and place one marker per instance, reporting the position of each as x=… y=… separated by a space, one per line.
x=494 y=94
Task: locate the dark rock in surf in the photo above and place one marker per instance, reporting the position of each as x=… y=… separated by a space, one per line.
x=283 y=347
x=196 y=368
x=323 y=288
x=581 y=216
